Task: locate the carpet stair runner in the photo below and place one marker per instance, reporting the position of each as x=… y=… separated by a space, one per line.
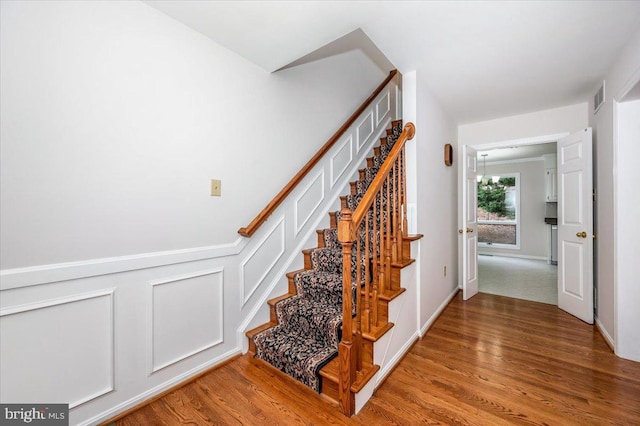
x=304 y=330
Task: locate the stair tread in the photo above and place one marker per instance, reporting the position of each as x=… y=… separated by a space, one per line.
x=275 y=300
x=294 y=273
x=376 y=332
x=363 y=377
x=331 y=372
x=402 y=263
x=389 y=294
x=258 y=329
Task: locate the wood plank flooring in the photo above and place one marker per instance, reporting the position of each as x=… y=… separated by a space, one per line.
x=489 y=361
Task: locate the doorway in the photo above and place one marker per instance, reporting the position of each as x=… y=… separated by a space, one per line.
x=575 y=219
x=517 y=215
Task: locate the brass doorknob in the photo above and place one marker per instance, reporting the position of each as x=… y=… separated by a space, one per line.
x=460 y=231
x=581 y=234
x=469 y=230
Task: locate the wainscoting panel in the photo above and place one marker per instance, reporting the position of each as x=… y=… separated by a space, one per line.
x=383 y=106
x=186 y=316
x=365 y=129
x=261 y=260
x=308 y=201
x=58 y=351
x=107 y=334
x=341 y=160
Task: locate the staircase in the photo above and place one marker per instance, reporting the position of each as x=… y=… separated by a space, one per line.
x=339 y=302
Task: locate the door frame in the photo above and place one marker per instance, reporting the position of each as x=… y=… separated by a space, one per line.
x=619 y=97
x=488 y=146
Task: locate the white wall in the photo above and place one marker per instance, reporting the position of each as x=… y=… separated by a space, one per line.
x=533 y=230
x=620 y=78
x=627 y=243
x=536 y=127
x=531 y=125
x=435 y=205
x=115 y=117
x=431 y=203
x=621 y=74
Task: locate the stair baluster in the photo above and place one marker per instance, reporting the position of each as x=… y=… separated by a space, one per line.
x=385 y=203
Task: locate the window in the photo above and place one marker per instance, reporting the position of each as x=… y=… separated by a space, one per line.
x=498 y=211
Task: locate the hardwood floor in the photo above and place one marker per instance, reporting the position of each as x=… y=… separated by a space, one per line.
x=489 y=361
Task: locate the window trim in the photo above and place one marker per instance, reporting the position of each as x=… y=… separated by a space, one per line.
x=516 y=222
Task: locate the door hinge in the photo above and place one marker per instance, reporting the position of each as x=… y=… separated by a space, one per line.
x=594 y=195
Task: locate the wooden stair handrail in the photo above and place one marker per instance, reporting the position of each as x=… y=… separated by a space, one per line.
x=385 y=232
x=250 y=229
x=408 y=132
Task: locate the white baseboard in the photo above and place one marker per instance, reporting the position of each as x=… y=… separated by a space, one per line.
x=519 y=256
x=139 y=399
x=438 y=311
x=605 y=334
x=388 y=368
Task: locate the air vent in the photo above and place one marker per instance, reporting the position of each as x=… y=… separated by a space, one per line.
x=598 y=99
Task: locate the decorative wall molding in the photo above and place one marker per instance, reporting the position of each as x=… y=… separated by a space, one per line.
x=34 y=363
x=365 y=129
x=45 y=274
x=331 y=198
x=270 y=256
x=182 y=312
x=341 y=159
x=307 y=202
x=383 y=106
x=234 y=281
x=399 y=102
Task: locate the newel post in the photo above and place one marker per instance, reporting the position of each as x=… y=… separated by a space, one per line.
x=346 y=352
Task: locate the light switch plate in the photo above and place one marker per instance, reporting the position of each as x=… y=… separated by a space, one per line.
x=216 y=187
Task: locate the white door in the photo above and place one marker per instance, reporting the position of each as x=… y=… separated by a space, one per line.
x=575 y=225
x=469 y=230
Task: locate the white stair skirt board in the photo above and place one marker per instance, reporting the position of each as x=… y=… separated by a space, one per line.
x=519 y=278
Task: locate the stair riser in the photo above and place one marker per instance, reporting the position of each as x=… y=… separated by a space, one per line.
x=330 y=389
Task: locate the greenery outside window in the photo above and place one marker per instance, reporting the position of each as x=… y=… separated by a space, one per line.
x=498 y=211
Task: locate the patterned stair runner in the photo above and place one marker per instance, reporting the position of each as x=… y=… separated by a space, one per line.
x=307 y=332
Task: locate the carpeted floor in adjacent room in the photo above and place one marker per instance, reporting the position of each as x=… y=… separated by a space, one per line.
x=526 y=279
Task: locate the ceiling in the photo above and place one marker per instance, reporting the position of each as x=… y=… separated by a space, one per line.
x=517 y=152
x=481 y=59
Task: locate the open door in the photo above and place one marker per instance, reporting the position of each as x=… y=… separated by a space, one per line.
x=575 y=225
x=469 y=229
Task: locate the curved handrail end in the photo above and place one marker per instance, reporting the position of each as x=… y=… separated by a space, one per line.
x=411 y=130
